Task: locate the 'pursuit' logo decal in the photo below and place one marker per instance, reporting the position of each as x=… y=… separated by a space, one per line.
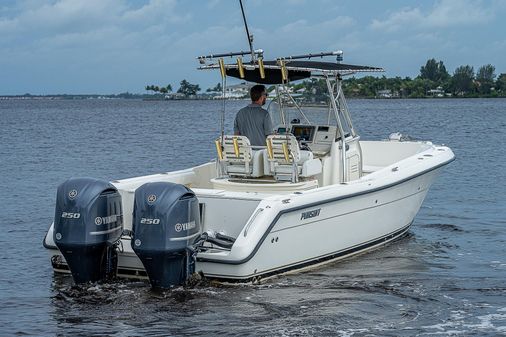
x=310 y=214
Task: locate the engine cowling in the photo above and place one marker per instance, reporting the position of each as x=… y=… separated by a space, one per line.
x=88 y=222
x=166 y=221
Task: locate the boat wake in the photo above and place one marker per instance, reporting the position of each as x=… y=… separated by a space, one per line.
x=443 y=227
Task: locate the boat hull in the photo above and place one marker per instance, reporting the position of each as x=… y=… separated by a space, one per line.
x=343 y=227
x=278 y=233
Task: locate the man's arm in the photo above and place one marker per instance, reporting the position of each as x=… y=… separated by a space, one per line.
x=267 y=124
x=237 y=132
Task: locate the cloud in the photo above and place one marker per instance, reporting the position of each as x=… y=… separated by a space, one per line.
x=302 y=35
x=458 y=12
x=304 y=27
x=156 y=10
x=63 y=17
x=398 y=20
x=88 y=40
x=445 y=13
x=213 y=3
x=107 y=45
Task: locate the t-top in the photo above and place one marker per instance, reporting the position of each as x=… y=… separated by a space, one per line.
x=253 y=122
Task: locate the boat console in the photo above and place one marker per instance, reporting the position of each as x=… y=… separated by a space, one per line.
x=317 y=138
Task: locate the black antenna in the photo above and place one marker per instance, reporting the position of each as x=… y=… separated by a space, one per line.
x=250 y=37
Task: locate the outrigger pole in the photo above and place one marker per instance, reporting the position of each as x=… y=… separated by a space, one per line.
x=337 y=53
x=250 y=37
x=202 y=58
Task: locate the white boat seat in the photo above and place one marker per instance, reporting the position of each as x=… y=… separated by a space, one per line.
x=238 y=157
x=286 y=161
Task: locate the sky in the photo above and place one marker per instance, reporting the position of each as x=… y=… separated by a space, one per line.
x=114 y=46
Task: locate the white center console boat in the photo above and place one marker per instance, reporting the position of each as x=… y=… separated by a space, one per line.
x=313 y=193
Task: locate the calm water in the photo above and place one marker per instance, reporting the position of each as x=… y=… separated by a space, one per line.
x=446 y=277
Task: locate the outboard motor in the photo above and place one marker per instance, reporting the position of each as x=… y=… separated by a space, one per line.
x=166 y=220
x=88 y=222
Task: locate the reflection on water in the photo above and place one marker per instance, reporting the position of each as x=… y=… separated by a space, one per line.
x=445 y=277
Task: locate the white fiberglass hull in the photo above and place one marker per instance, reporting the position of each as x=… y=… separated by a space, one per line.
x=276 y=233
x=345 y=226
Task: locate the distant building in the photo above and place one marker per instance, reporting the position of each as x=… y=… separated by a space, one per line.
x=386 y=93
x=174 y=95
x=235 y=91
x=438 y=92
x=240 y=90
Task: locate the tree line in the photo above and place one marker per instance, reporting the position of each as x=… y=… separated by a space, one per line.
x=433 y=80
x=186 y=89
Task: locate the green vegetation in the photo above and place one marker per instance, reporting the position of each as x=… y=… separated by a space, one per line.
x=188 y=89
x=161 y=90
x=217 y=88
x=434 y=71
x=433 y=81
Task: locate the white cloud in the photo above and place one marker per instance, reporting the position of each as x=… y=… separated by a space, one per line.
x=304 y=27
x=213 y=3
x=445 y=13
x=398 y=20
x=154 y=11
x=90 y=44
x=50 y=19
x=62 y=15
x=78 y=38
x=304 y=36
x=458 y=12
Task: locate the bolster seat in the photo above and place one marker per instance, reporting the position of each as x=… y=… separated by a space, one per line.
x=286 y=162
x=237 y=157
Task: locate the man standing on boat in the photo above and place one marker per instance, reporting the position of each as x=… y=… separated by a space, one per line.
x=253 y=121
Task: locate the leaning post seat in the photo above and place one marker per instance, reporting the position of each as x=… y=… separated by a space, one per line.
x=287 y=161
x=238 y=157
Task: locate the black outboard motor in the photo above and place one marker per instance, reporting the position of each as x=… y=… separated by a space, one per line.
x=88 y=222
x=166 y=221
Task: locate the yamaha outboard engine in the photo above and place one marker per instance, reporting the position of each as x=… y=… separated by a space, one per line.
x=166 y=221
x=88 y=222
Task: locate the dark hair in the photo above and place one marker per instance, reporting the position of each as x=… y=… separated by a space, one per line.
x=256 y=92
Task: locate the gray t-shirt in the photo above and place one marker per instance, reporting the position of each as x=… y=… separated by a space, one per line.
x=253 y=122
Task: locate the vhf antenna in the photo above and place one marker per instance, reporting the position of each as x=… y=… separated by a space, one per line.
x=250 y=37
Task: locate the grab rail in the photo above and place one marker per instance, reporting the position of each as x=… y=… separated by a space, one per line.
x=253 y=217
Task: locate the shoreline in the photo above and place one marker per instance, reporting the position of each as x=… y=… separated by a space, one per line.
x=147 y=98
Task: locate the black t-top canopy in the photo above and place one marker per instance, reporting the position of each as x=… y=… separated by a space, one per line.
x=297 y=70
